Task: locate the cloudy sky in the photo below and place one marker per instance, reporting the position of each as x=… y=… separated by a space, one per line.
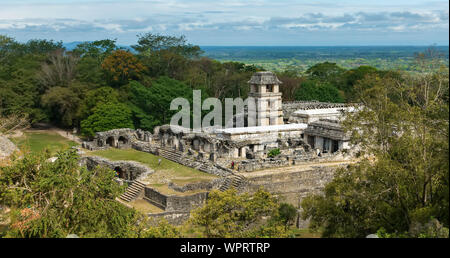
x=234 y=22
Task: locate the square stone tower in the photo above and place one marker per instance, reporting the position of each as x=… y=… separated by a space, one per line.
x=264 y=88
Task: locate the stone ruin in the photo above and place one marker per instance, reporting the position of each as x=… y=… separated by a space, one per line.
x=117 y=138
x=312 y=133
x=127 y=171
x=309 y=132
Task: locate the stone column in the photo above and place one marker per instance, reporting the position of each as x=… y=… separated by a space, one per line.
x=243 y=152
x=235 y=153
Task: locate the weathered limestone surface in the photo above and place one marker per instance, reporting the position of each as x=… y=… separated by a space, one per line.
x=207 y=186
x=173 y=217
x=130 y=170
x=118 y=138
x=174 y=202
x=6 y=147
x=327 y=128
x=293 y=186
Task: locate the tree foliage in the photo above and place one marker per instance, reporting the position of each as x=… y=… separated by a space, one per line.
x=54 y=199
x=229 y=214
x=315 y=90
x=150 y=43
x=151 y=105
x=106 y=117
x=403 y=179
x=121 y=67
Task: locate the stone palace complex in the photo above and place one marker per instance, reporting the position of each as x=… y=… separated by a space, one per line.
x=303 y=133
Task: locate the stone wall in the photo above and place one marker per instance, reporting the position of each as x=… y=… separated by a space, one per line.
x=118 y=138
x=252 y=165
x=293 y=186
x=185 y=203
x=174 y=202
x=156 y=198
x=131 y=170
x=186 y=159
x=173 y=217
x=144 y=147
x=207 y=186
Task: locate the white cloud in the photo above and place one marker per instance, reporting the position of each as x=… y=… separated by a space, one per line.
x=124 y=19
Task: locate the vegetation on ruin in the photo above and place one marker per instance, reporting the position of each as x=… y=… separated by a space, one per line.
x=273 y=153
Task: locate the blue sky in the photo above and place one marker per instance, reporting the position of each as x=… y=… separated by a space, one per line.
x=234 y=22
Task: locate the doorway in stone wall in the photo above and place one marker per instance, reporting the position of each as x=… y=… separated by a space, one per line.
x=334 y=146
x=122 y=140
x=120 y=172
x=311 y=141
x=110 y=141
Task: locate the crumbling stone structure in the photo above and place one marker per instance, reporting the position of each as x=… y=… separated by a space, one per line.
x=310 y=131
x=312 y=128
x=117 y=138
x=126 y=170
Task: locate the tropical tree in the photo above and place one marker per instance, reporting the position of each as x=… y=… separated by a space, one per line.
x=151 y=105
x=316 y=90
x=62 y=103
x=403 y=178
x=229 y=214
x=106 y=117
x=54 y=199
x=150 y=43
x=121 y=67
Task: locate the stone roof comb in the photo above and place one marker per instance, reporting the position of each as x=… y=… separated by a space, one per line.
x=264 y=78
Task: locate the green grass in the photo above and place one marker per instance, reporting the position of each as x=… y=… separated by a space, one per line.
x=168 y=169
x=304 y=233
x=35 y=142
x=144 y=206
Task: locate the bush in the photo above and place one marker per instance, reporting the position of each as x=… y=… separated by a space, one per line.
x=273 y=153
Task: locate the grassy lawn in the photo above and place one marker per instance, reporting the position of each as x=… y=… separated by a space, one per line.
x=167 y=171
x=304 y=233
x=35 y=142
x=144 y=206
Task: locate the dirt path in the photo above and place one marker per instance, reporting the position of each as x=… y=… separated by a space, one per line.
x=67 y=135
x=295 y=168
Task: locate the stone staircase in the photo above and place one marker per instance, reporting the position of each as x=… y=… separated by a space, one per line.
x=133 y=191
x=170 y=155
x=204 y=167
x=232 y=181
